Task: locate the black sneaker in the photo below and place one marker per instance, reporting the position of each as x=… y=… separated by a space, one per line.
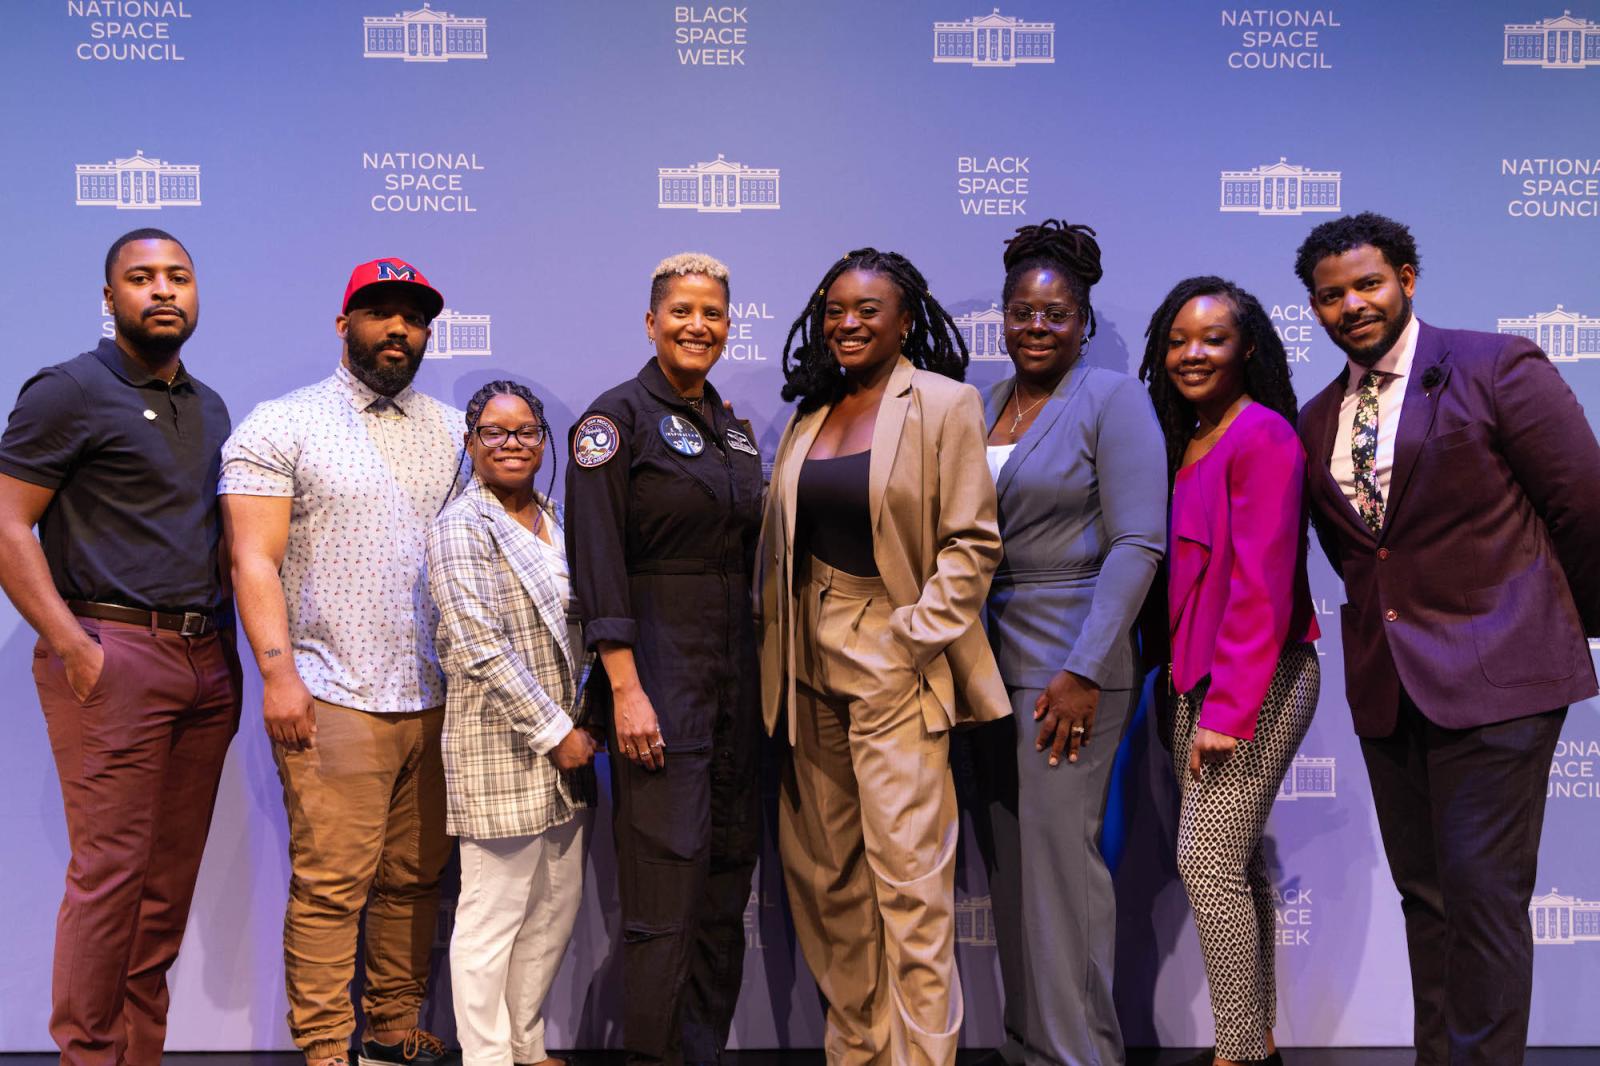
x=419 y=1048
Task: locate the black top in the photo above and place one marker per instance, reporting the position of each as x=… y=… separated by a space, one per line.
x=658 y=489
x=133 y=462
x=833 y=515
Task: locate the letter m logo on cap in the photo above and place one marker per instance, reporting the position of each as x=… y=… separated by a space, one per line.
x=391 y=271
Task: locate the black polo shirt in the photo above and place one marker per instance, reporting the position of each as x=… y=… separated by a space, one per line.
x=133 y=462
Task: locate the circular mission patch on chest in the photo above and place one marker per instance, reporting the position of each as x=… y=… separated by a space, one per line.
x=681 y=436
x=595 y=441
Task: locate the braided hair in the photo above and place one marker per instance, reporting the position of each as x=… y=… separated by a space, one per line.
x=1266 y=372
x=1058 y=245
x=480 y=400
x=814 y=377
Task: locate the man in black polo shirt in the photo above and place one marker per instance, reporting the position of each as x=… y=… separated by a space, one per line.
x=114 y=455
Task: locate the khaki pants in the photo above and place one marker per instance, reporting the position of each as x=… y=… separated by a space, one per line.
x=867 y=832
x=366 y=829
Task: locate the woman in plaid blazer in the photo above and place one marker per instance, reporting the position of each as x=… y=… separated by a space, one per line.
x=517 y=764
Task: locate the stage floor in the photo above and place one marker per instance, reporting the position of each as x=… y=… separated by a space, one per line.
x=1585 y=1056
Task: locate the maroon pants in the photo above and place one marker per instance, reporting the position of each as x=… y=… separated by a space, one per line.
x=139 y=760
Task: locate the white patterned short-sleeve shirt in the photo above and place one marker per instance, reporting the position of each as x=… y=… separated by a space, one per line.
x=367 y=473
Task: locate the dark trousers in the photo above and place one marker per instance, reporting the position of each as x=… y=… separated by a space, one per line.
x=1461 y=812
x=687 y=837
x=139 y=760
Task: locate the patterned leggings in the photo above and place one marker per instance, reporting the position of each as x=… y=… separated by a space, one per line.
x=1219 y=850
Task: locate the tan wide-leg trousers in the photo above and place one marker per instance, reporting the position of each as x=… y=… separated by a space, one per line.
x=867 y=832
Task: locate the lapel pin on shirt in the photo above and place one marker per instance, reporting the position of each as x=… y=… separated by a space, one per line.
x=150 y=416
x=1431 y=379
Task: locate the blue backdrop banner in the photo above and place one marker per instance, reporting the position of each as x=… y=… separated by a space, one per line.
x=535 y=159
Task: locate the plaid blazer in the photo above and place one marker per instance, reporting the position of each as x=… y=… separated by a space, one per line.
x=511 y=682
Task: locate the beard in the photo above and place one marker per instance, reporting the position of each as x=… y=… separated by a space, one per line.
x=131 y=327
x=385 y=380
x=1368 y=354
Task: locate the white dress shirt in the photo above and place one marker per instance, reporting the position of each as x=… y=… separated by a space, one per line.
x=1393 y=369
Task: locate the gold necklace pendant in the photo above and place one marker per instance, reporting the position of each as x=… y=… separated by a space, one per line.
x=1016 y=396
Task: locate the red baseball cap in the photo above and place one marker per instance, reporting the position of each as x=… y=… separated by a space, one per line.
x=393 y=273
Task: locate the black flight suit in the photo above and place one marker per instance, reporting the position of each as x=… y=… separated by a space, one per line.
x=662 y=546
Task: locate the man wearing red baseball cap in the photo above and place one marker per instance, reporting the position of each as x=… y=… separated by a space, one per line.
x=327 y=494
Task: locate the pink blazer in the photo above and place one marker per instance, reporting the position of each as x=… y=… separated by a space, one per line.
x=1238 y=593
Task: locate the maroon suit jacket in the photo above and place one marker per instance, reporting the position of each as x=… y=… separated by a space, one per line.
x=1478 y=590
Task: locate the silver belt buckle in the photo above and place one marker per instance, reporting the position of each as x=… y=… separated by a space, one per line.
x=194 y=624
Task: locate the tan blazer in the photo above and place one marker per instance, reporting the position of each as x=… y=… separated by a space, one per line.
x=935 y=538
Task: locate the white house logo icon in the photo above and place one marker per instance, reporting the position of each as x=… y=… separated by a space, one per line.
x=718 y=187
x=994 y=40
x=1564 y=335
x=984 y=332
x=1280 y=188
x=138 y=183
x=1559 y=919
x=1563 y=43
x=975 y=922
x=1309 y=778
x=424 y=36
x=457 y=334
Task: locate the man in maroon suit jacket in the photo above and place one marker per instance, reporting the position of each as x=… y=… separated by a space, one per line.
x=1455 y=486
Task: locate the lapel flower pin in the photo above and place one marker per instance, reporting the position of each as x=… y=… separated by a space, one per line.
x=1432 y=377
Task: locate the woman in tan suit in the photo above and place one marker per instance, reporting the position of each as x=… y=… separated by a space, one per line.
x=879 y=541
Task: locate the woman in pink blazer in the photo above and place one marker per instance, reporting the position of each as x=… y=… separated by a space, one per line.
x=1239 y=609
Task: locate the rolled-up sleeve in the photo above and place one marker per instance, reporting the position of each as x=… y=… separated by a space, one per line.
x=968 y=538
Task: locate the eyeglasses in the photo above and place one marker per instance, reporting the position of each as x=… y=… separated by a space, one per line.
x=530 y=436
x=1021 y=316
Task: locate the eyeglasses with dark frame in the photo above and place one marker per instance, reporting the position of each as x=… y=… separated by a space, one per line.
x=1057 y=317
x=529 y=436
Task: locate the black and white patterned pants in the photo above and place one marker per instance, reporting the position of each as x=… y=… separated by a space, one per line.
x=1219 y=850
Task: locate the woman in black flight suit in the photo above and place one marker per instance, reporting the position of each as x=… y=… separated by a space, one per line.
x=663 y=511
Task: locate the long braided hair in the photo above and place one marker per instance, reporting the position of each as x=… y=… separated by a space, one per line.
x=1266 y=372
x=480 y=400
x=1058 y=245
x=813 y=376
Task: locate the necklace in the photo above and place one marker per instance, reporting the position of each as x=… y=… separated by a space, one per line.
x=694 y=402
x=1016 y=394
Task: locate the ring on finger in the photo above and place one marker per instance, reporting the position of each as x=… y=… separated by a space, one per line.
x=1078 y=730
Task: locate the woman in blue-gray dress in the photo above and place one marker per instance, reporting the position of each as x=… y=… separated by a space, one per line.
x=1080 y=471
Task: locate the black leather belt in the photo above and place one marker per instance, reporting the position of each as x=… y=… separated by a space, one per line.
x=185 y=623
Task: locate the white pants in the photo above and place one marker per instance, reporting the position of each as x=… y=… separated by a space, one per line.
x=519 y=900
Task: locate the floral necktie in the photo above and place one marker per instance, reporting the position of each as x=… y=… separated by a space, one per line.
x=1364 y=453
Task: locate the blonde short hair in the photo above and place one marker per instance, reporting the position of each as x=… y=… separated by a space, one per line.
x=681 y=265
